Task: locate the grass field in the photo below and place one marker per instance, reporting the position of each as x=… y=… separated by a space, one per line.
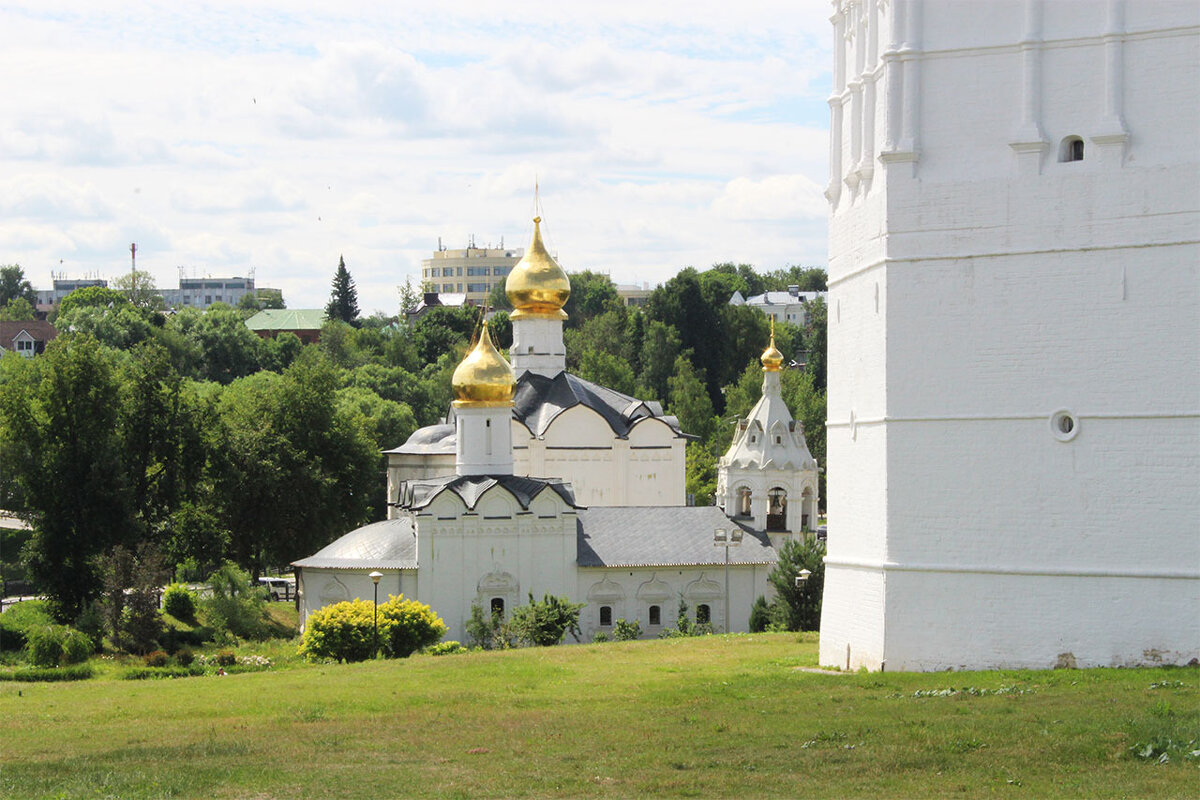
x=721 y=716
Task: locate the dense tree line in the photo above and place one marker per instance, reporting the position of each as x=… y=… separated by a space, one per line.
x=188 y=432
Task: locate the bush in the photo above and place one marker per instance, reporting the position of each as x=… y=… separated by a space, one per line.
x=236 y=606
x=346 y=631
x=75 y=672
x=487 y=631
x=12 y=637
x=180 y=602
x=226 y=658
x=450 y=648
x=406 y=626
x=150 y=673
x=625 y=631
x=56 y=645
x=600 y=637
x=156 y=658
x=342 y=631
x=760 y=615
x=184 y=657
x=77 y=647
x=545 y=623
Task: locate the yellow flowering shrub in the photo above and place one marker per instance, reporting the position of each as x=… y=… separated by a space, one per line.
x=345 y=631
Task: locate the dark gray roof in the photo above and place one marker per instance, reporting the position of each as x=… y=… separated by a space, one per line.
x=417 y=494
x=538 y=400
x=651 y=536
x=389 y=544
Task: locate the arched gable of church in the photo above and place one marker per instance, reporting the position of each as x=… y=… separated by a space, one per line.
x=447 y=505
x=548 y=503
x=497 y=502
x=651 y=432
x=579 y=426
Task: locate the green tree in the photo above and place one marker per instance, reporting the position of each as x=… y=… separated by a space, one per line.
x=63 y=453
x=138 y=287
x=343 y=297
x=545 y=623
x=284 y=436
x=131 y=581
x=660 y=348
x=234 y=604
x=607 y=370
x=688 y=400
x=814 y=341
x=444 y=330
x=592 y=294
x=162 y=422
x=228 y=349
x=99 y=296
x=18 y=309
x=798 y=608
x=14 y=285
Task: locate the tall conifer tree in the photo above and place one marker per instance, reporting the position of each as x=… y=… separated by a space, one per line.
x=343 y=299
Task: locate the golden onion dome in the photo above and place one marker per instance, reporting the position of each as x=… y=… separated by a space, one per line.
x=483 y=378
x=537 y=286
x=771 y=358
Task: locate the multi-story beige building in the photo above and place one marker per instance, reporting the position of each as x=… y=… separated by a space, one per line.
x=473 y=271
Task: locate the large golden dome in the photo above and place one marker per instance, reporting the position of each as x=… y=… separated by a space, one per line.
x=537 y=286
x=771 y=358
x=484 y=378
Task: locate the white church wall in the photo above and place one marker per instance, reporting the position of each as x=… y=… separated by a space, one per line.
x=321 y=587
x=631 y=592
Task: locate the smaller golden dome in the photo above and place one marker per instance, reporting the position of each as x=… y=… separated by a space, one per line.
x=772 y=359
x=483 y=378
x=537 y=287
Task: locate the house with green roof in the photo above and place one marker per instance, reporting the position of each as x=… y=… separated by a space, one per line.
x=304 y=322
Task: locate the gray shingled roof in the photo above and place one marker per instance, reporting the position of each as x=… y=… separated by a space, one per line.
x=417 y=494
x=389 y=544
x=652 y=536
x=539 y=400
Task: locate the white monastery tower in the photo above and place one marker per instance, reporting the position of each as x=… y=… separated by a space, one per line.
x=768 y=478
x=1014 y=335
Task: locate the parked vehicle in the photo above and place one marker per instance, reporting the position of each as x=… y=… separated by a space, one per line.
x=281 y=589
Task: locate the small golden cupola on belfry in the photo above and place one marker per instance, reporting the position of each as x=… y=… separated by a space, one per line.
x=537 y=287
x=484 y=378
x=772 y=359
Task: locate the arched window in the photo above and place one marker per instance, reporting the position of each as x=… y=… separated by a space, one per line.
x=743 y=504
x=605 y=616
x=655 y=615
x=497 y=606
x=703 y=614
x=1071 y=149
x=777 y=509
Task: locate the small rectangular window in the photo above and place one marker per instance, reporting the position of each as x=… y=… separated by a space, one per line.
x=655 y=615
x=605 y=616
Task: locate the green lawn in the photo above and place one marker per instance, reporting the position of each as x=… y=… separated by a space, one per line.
x=723 y=716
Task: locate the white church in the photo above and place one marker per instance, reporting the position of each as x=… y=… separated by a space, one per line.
x=1014 y=335
x=542 y=482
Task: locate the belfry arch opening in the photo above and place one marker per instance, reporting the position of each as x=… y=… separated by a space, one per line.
x=777 y=509
x=743 y=502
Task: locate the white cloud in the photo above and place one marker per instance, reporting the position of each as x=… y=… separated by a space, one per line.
x=278 y=135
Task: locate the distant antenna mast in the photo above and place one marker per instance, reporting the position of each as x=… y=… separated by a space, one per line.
x=133 y=255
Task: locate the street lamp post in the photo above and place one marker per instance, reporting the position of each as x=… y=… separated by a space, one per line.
x=375 y=576
x=727 y=539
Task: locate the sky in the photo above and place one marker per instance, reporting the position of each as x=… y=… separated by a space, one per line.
x=224 y=137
